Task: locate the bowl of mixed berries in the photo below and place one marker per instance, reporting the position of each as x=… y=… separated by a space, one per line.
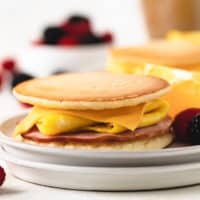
x=71 y=46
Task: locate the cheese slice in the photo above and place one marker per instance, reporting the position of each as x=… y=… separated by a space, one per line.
x=54 y=122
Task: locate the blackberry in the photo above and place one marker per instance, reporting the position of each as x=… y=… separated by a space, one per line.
x=52 y=34
x=181 y=123
x=90 y=39
x=194 y=130
x=77 y=18
x=19 y=78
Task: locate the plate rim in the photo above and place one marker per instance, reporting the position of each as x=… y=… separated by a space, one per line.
x=7 y=157
x=4 y=139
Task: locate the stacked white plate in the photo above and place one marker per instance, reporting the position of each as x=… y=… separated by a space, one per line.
x=99 y=170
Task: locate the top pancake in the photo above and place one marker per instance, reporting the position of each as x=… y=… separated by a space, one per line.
x=95 y=90
x=175 y=54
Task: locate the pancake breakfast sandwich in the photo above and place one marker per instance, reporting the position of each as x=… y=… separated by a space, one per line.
x=96 y=110
x=175 y=54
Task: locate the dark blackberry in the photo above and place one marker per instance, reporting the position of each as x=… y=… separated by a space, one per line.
x=90 y=39
x=19 y=78
x=52 y=34
x=181 y=123
x=194 y=130
x=77 y=19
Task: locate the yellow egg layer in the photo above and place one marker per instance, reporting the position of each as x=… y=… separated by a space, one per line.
x=54 y=122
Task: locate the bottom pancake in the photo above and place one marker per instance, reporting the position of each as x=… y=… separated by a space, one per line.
x=157 y=142
x=153 y=137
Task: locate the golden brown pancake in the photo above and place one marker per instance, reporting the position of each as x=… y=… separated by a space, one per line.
x=90 y=90
x=175 y=54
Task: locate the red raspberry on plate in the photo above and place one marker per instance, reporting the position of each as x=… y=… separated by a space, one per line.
x=2 y=175
x=182 y=121
x=68 y=41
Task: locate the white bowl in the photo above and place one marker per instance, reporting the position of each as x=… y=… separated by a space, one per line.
x=45 y=59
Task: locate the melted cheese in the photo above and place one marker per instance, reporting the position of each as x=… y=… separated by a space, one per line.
x=54 y=122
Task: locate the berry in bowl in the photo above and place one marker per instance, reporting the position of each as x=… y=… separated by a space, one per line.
x=70 y=46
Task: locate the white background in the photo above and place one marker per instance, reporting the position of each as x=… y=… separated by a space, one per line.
x=23 y=20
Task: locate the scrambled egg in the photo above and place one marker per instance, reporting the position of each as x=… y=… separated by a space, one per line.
x=54 y=122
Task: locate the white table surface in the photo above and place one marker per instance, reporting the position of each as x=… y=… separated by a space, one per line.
x=14 y=189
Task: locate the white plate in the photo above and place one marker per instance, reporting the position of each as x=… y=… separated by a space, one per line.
x=103 y=178
x=93 y=157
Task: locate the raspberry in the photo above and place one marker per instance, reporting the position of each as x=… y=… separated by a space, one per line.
x=77 y=29
x=90 y=39
x=107 y=37
x=52 y=34
x=68 y=41
x=181 y=123
x=77 y=25
x=2 y=176
x=20 y=77
x=9 y=64
x=194 y=130
x=81 y=28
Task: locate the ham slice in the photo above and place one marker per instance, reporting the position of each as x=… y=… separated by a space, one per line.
x=93 y=137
